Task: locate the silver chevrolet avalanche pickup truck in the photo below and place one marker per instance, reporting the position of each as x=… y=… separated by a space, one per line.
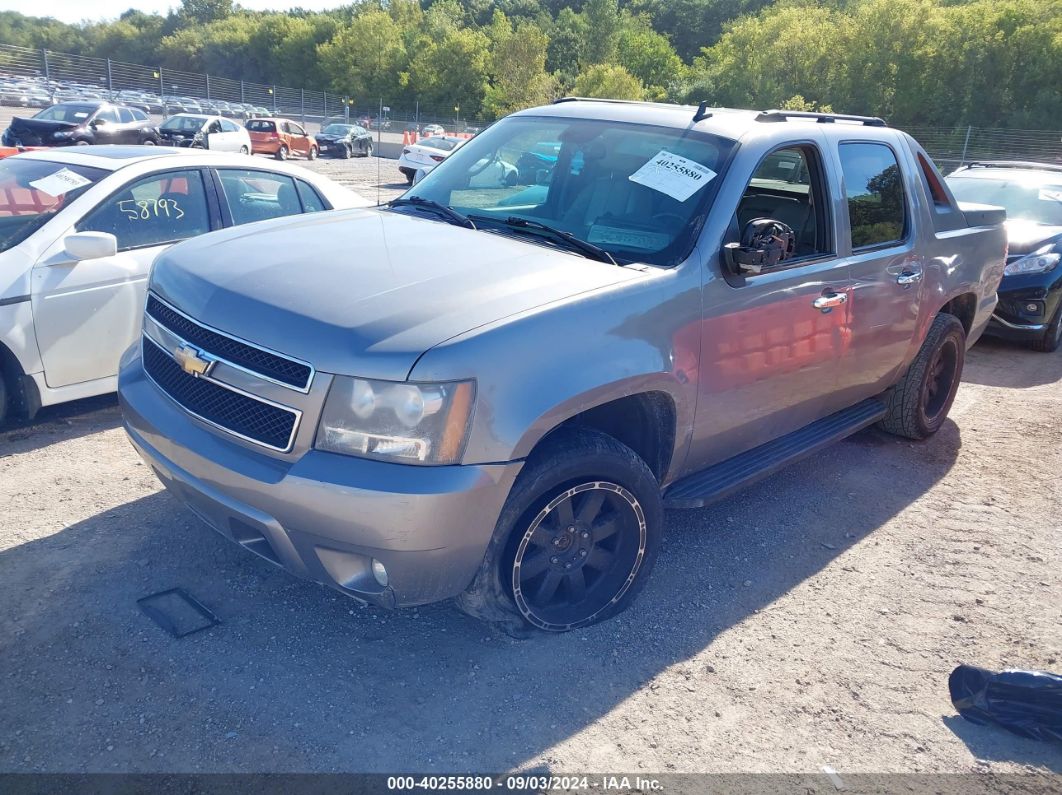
x=491 y=388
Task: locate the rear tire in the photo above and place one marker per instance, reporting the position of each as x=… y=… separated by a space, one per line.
x=1052 y=336
x=576 y=539
x=282 y=153
x=919 y=403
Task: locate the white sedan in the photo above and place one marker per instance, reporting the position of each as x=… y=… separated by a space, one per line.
x=197 y=131
x=79 y=229
x=426 y=155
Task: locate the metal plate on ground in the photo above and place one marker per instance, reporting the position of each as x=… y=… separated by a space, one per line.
x=177 y=612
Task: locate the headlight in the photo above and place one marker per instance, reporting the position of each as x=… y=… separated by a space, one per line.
x=1040 y=261
x=423 y=423
x=62 y=134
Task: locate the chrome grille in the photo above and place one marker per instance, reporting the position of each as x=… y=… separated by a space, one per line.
x=262 y=362
x=264 y=423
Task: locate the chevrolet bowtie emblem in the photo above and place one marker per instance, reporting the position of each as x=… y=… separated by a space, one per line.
x=192 y=360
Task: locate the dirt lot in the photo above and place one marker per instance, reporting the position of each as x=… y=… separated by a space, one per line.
x=810 y=621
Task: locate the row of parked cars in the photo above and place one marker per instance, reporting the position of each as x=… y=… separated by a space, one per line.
x=490 y=388
x=99 y=122
x=39 y=92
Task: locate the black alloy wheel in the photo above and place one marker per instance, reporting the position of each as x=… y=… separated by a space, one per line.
x=579 y=556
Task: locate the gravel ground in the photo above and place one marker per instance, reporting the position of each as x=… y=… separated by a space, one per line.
x=810 y=621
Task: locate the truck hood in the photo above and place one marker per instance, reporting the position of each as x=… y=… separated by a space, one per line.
x=1024 y=237
x=365 y=292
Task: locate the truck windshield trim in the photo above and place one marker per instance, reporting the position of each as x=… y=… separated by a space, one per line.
x=638 y=192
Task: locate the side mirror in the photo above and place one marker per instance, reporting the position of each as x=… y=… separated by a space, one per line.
x=765 y=243
x=420 y=174
x=97 y=122
x=90 y=245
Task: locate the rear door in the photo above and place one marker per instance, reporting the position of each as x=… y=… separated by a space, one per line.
x=887 y=272
x=772 y=343
x=87 y=313
x=128 y=128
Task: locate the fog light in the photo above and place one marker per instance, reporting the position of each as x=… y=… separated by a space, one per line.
x=379 y=572
x=1032 y=308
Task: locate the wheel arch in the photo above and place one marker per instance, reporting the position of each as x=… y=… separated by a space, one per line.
x=24 y=398
x=644 y=420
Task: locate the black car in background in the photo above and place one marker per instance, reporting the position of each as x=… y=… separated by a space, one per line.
x=344 y=140
x=1030 y=295
x=82 y=123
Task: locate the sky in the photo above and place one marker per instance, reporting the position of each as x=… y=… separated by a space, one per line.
x=95 y=10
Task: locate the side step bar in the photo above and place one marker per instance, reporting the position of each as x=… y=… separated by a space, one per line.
x=726 y=477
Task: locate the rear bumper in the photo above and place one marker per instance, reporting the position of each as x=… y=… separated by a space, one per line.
x=324 y=517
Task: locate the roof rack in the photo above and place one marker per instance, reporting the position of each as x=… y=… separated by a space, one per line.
x=1030 y=164
x=821 y=118
x=612 y=101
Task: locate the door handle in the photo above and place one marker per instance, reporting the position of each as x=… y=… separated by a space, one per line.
x=907 y=278
x=830 y=300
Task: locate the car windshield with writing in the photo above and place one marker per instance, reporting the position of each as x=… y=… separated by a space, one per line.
x=33 y=191
x=633 y=190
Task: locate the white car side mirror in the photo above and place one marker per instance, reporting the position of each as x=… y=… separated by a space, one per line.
x=90 y=245
x=420 y=174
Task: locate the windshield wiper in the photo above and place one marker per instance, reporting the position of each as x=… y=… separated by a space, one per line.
x=445 y=210
x=567 y=238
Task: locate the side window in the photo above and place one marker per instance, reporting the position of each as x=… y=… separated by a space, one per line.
x=296 y=129
x=258 y=195
x=874 y=186
x=215 y=127
x=109 y=115
x=311 y=202
x=125 y=115
x=788 y=186
x=138 y=115
x=162 y=208
x=228 y=126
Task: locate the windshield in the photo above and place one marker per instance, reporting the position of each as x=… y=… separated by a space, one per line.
x=32 y=191
x=1026 y=197
x=183 y=123
x=338 y=129
x=634 y=190
x=76 y=114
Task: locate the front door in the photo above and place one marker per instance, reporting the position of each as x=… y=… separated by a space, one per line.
x=107 y=127
x=299 y=140
x=772 y=343
x=87 y=313
x=886 y=272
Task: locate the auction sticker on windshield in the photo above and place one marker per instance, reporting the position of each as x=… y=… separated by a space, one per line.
x=62 y=181
x=675 y=176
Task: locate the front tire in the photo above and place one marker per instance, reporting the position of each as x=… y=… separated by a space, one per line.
x=919 y=403
x=313 y=153
x=368 y=150
x=1051 y=339
x=346 y=152
x=576 y=539
x=244 y=150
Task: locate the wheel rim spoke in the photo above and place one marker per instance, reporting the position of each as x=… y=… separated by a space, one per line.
x=605 y=529
x=576 y=585
x=564 y=512
x=541 y=537
x=533 y=565
x=599 y=558
x=591 y=506
x=548 y=587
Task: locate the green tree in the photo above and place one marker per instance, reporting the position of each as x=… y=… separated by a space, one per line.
x=517 y=67
x=365 y=58
x=608 y=81
x=567 y=45
x=603 y=28
x=648 y=56
x=449 y=70
x=202 y=11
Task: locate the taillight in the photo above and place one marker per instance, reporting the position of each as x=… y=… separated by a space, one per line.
x=405 y=151
x=437 y=158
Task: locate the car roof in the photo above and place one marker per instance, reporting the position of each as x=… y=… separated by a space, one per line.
x=734 y=123
x=1012 y=170
x=112 y=158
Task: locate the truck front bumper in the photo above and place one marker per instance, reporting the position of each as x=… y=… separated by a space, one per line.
x=325 y=517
